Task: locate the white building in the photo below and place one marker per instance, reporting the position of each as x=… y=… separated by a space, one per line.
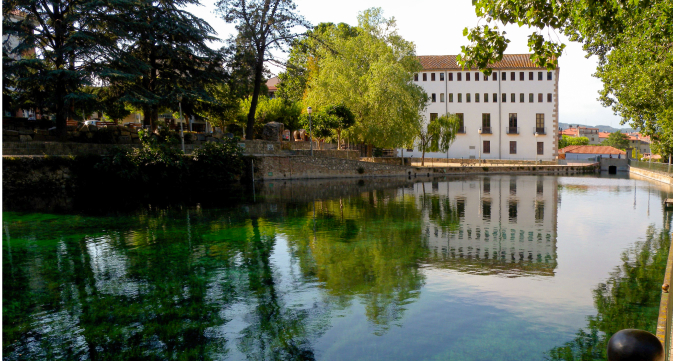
x=511 y=114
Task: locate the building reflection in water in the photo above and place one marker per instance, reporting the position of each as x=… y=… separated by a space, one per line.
x=501 y=224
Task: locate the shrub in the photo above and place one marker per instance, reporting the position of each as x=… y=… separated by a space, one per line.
x=215 y=163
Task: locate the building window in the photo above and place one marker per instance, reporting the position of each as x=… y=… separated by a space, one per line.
x=434 y=97
x=521 y=98
x=504 y=75
x=441 y=97
x=467 y=76
x=461 y=122
x=512 y=147
x=433 y=117
x=486 y=123
x=460 y=76
x=450 y=97
x=539 y=97
x=485 y=77
x=548 y=75
x=513 y=120
x=432 y=76
x=512 y=98
x=495 y=97
x=425 y=76
x=476 y=76
x=441 y=76
x=504 y=97
x=539 y=123
x=512 y=76
x=539 y=75
x=521 y=78
x=531 y=97
x=540 y=148
x=487 y=147
x=460 y=97
x=530 y=75
x=513 y=206
x=548 y=97
x=450 y=76
x=485 y=97
x=495 y=76
x=467 y=97
x=416 y=77
x=476 y=97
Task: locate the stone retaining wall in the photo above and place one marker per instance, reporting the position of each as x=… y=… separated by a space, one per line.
x=343 y=154
x=660 y=177
x=304 y=167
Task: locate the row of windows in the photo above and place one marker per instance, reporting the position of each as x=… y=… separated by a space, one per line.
x=512 y=147
x=494 y=98
x=494 y=76
x=486 y=122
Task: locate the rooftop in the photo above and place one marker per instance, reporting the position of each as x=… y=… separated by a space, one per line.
x=509 y=61
x=591 y=149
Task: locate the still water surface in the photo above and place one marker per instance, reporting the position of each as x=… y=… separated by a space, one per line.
x=481 y=268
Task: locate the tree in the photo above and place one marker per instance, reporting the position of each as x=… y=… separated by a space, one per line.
x=371 y=73
x=166 y=54
x=438 y=135
x=567 y=140
x=333 y=119
x=71 y=42
x=617 y=140
x=266 y=25
x=631 y=39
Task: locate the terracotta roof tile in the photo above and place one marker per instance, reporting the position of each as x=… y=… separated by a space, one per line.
x=509 y=61
x=591 y=149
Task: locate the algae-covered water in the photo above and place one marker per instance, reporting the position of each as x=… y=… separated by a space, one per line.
x=481 y=268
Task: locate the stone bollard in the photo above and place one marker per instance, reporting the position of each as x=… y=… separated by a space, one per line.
x=635 y=345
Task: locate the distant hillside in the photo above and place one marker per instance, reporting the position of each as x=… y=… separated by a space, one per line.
x=601 y=128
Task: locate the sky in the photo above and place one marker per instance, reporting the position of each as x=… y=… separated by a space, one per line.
x=436 y=27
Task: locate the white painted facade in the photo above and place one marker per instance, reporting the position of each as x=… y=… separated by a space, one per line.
x=448 y=90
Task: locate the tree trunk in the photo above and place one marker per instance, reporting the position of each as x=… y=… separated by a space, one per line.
x=338 y=139
x=423 y=158
x=259 y=66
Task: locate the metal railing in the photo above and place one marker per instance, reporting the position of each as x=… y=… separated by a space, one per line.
x=485 y=130
x=540 y=131
x=461 y=130
x=662 y=168
x=512 y=130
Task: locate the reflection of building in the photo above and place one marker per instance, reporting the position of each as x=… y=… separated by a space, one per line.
x=506 y=224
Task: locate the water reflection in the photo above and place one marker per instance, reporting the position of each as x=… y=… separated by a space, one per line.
x=505 y=225
x=461 y=268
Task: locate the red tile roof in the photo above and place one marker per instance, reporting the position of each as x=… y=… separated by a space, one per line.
x=591 y=149
x=509 y=61
x=271 y=83
x=603 y=134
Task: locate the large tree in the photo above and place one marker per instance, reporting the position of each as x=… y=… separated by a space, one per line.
x=53 y=49
x=267 y=25
x=617 y=140
x=632 y=40
x=371 y=73
x=167 y=55
x=437 y=135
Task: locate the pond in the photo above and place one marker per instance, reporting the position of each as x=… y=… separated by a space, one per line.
x=468 y=268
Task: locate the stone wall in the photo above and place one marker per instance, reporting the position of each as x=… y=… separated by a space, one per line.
x=659 y=177
x=344 y=154
x=306 y=167
x=394 y=160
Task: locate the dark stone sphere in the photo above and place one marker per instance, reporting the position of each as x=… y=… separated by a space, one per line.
x=635 y=345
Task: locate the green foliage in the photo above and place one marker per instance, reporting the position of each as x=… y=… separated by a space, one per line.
x=437 y=135
x=617 y=140
x=262 y=25
x=271 y=110
x=567 y=140
x=217 y=163
x=369 y=69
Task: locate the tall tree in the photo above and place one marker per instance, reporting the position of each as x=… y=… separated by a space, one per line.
x=617 y=140
x=371 y=74
x=71 y=41
x=267 y=25
x=167 y=54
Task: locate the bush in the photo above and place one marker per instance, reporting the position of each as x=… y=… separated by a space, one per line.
x=215 y=163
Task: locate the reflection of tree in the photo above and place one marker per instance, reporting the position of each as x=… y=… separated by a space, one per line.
x=275 y=332
x=629 y=299
x=366 y=247
x=440 y=212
